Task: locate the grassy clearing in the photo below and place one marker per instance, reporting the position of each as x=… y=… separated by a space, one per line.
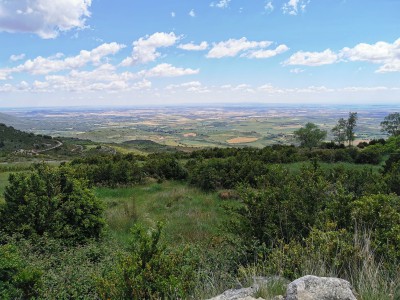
x=189 y=215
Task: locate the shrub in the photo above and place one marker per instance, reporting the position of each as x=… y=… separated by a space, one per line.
x=17 y=279
x=51 y=202
x=149 y=270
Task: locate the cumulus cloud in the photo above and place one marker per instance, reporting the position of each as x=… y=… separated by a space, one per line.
x=233 y=47
x=221 y=4
x=41 y=65
x=103 y=78
x=167 y=70
x=193 y=47
x=45 y=18
x=293 y=7
x=296 y=71
x=266 y=53
x=192 y=86
x=313 y=58
x=386 y=54
x=145 y=49
x=192 y=13
x=16 y=57
x=269 y=7
x=379 y=53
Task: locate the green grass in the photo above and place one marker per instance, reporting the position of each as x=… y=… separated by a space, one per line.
x=188 y=215
x=3 y=183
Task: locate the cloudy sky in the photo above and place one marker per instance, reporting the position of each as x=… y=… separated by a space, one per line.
x=129 y=52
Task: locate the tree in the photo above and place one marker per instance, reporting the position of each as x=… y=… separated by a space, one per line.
x=344 y=130
x=310 y=135
x=391 y=124
x=339 y=131
x=350 y=127
x=51 y=202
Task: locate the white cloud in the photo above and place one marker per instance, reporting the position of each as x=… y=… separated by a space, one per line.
x=221 y=4
x=293 y=7
x=192 y=13
x=142 y=85
x=379 y=53
x=173 y=14
x=233 y=47
x=41 y=65
x=386 y=54
x=45 y=18
x=356 y=89
x=16 y=57
x=296 y=70
x=193 y=47
x=266 y=53
x=103 y=78
x=192 y=87
x=6 y=88
x=184 y=85
x=269 y=7
x=167 y=70
x=4 y=73
x=313 y=58
x=270 y=89
x=145 y=49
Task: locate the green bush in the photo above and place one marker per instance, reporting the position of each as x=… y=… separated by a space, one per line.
x=18 y=280
x=149 y=270
x=51 y=202
x=380 y=214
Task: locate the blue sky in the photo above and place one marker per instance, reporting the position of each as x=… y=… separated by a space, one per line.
x=129 y=52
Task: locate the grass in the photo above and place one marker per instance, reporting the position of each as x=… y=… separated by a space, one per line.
x=188 y=215
x=3 y=183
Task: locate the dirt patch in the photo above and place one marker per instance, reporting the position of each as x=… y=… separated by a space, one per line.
x=190 y=134
x=241 y=140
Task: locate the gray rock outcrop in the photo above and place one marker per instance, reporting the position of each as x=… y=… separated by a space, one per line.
x=319 y=288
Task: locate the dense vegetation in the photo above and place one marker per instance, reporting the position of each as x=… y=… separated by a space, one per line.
x=91 y=228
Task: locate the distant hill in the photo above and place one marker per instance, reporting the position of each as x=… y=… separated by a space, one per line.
x=12 y=139
x=16 y=122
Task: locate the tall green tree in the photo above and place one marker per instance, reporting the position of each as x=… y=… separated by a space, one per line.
x=310 y=135
x=350 y=127
x=391 y=124
x=344 y=130
x=339 y=131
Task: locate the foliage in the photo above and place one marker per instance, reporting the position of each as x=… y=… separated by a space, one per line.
x=339 y=131
x=149 y=270
x=380 y=214
x=51 y=202
x=310 y=135
x=17 y=278
x=391 y=124
x=344 y=130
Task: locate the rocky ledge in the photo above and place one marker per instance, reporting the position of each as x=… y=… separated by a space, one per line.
x=305 y=288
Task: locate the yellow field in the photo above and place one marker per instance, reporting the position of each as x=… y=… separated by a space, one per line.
x=241 y=140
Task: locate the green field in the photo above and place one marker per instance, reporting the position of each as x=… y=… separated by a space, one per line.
x=188 y=215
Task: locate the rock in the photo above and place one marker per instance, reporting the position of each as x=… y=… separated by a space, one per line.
x=319 y=288
x=236 y=294
x=247 y=293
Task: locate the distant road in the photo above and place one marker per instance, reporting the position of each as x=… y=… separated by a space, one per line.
x=59 y=144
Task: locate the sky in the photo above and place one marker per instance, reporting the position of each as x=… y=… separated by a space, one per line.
x=145 y=52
